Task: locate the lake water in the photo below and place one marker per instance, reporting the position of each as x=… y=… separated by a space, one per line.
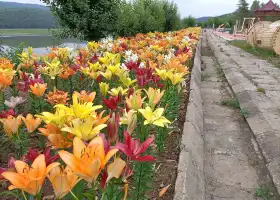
x=40 y=44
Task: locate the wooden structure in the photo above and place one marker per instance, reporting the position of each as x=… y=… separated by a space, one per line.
x=269 y=9
x=265 y=34
x=269 y=36
x=253 y=36
x=246 y=25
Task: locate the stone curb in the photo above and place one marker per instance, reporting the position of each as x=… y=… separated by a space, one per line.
x=260 y=110
x=190 y=177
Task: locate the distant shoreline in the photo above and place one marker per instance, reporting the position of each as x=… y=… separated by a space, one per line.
x=25 y=32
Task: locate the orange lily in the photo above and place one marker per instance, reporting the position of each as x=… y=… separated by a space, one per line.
x=29 y=179
x=87 y=161
x=135 y=101
x=115 y=169
x=11 y=124
x=154 y=96
x=57 y=97
x=85 y=97
x=31 y=123
x=55 y=137
x=38 y=89
x=62 y=181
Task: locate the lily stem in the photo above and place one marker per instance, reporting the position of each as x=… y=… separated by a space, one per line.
x=75 y=197
x=23 y=195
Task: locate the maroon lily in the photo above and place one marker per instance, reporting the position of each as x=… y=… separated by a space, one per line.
x=111 y=103
x=133 y=149
x=6 y=114
x=33 y=154
x=113 y=126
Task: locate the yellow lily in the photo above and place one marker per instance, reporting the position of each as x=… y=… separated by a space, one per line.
x=79 y=109
x=116 y=91
x=92 y=46
x=11 y=124
x=126 y=81
x=58 y=118
x=175 y=78
x=108 y=74
x=154 y=117
x=62 y=180
x=29 y=179
x=87 y=161
x=85 y=129
x=90 y=72
x=114 y=68
x=31 y=123
x=130 y=119
x=154 y=96
x=110 y=58
x=95 y=67
x=53 y=68
x=135 y=101
x=104 y=87
x=162 y=73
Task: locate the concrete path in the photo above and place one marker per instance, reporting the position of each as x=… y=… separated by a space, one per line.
x=256 y=85
x=233 y=166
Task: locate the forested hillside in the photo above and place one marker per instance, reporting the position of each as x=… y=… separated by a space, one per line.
x=16 y=15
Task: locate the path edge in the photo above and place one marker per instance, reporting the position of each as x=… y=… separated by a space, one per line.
x=190 y=174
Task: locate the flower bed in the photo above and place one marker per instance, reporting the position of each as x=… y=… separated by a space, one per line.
x=94 y=121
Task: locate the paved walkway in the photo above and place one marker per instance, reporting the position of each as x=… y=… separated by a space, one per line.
x=247 y=76
x=233 y=166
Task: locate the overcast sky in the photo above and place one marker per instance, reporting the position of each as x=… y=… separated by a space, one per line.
x=196 y=8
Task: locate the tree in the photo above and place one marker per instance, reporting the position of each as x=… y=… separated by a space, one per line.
x=255 y=5
x=172 y=16
x=188 y=22
x=92 y=19
x=242 y=9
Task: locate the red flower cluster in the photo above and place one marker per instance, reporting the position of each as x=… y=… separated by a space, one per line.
x=6 y=114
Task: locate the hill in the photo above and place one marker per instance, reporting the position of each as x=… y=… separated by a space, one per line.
x=18 y=15
x=202 y=19
x=21 y=5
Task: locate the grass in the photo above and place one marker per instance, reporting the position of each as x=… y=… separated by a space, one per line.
x=220 y=73
x=244 y=112
x=265 y=192
x=265 y=54
x=204 y=76
x=262 y=90
x=231 y=102
x=14 y=32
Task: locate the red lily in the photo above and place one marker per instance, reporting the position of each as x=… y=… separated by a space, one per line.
x=94 y=58
x=33 y=154
x=27 y=81
x=113 y=126
x=6 y=114
x=133 y=149
x=132 y=65
x=111 y=103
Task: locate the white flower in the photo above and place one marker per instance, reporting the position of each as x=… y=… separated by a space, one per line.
x=131 y=57
x=128 y=53
x=124 y=67
x=14 y=101
x=142 y=65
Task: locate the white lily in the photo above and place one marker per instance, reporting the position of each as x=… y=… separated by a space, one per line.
x=14 y=101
